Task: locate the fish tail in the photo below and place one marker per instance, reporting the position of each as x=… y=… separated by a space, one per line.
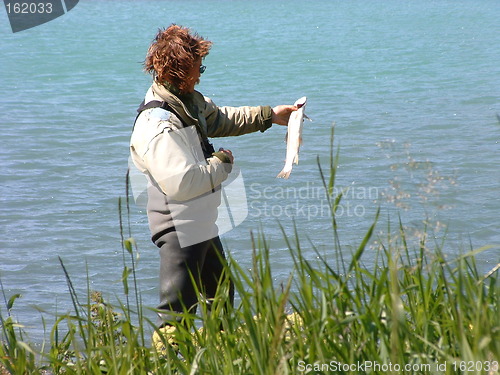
x=284 y=173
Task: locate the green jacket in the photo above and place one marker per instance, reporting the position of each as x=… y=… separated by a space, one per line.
x=159 y=146
x=171 y=156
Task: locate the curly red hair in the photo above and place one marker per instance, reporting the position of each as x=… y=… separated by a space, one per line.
x=172 y=54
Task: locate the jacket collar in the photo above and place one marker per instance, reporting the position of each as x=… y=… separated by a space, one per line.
x=167 y=93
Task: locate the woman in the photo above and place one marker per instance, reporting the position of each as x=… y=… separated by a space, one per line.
x=170 y=146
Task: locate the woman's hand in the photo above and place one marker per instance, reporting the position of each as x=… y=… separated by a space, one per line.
x=228 y=153
x=281 y=114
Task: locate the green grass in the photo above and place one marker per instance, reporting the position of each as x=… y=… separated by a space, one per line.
x=410 y=307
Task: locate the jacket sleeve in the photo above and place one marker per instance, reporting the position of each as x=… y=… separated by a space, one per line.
x=232 y=121
x=171 y=156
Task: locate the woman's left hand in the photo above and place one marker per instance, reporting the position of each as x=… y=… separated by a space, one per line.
x=281 y=114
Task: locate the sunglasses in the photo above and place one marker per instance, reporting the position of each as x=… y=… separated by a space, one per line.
x=202 y=69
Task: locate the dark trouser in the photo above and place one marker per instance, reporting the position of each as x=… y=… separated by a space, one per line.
x=202 y=262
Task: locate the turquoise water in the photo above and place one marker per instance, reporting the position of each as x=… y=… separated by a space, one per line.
x=413 y=89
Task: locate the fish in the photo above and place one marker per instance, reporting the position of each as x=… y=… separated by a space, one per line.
x=294 y=137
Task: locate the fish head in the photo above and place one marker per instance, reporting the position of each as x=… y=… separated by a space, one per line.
x=301 y=102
